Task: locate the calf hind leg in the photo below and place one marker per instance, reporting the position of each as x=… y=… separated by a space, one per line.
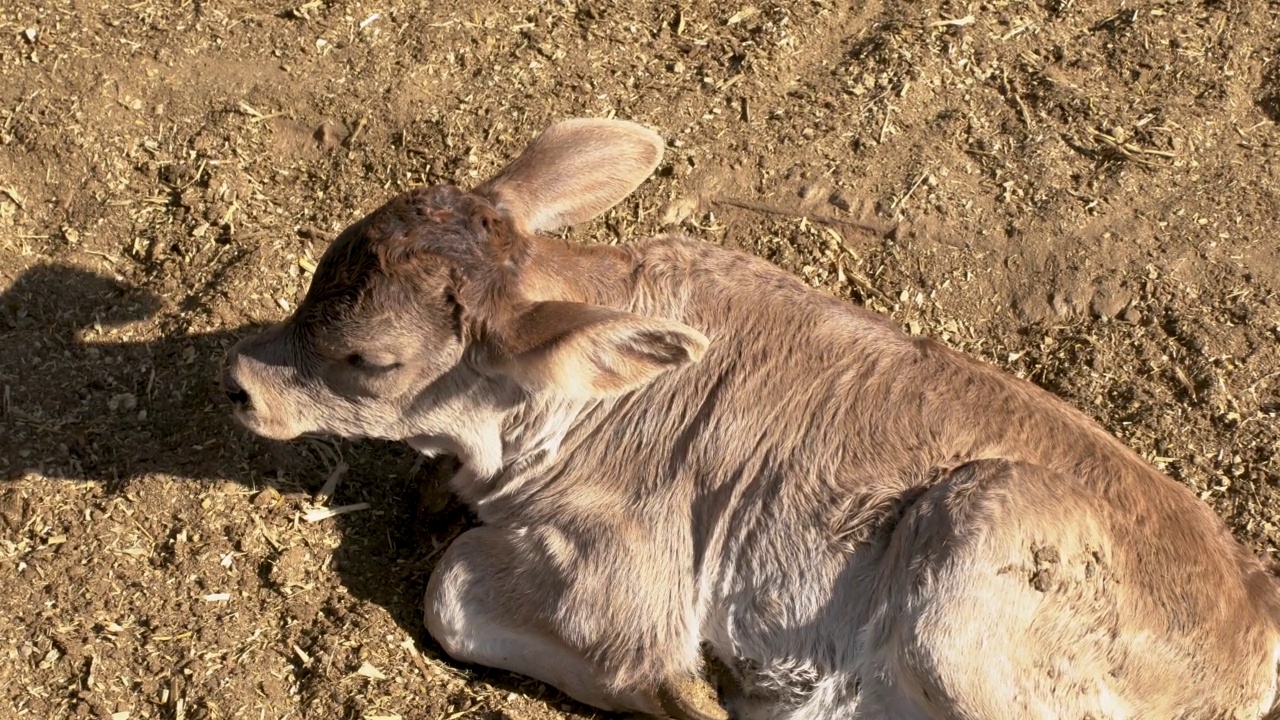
x=996 y=602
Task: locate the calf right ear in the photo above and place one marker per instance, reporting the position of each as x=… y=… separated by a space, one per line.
x=573 y=171
x=586 y=351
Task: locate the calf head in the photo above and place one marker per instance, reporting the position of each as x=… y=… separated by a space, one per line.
x=435 y=315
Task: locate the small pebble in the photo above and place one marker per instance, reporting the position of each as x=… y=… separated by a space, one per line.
x=267 y=498
x=123 y=401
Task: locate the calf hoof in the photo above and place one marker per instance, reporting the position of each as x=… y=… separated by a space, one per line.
x=690 y=698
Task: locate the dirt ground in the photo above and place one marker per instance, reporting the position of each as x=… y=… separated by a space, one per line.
x=1084 y=192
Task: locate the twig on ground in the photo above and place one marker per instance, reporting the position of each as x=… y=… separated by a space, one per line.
x=316 y=514
x=325 y=494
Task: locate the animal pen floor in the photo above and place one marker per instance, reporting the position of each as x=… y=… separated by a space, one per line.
x=1084 y=192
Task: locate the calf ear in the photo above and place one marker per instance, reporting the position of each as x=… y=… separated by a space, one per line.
x=573 y=171
x=587 y=351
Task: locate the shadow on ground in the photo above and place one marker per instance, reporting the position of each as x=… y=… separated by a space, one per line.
x=92 y=394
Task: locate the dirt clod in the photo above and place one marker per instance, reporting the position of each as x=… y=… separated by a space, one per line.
x=290 y=567
x=331 y=134
x=1109 y=302
x=1046 y=559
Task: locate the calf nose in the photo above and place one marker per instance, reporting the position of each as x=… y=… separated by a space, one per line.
x=235 y=392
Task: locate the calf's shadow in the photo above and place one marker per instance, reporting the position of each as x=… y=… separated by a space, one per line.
x=78 y=405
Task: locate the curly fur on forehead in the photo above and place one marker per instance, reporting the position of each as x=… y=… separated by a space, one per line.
x=461 y=228
x=417 y=233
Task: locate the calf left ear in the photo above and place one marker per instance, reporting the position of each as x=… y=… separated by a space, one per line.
x=588 y=351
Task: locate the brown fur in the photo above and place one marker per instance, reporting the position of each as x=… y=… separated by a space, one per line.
x=672 y=444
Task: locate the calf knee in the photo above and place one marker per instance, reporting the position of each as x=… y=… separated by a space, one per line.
x=459 y=596
x=442 y=609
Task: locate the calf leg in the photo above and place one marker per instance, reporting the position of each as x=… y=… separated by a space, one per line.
x=1000 y=598
x=493 y=601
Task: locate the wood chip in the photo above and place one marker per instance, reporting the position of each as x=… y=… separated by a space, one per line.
x=14 y=196
x=369 y=671
x=326 y=491
x=958 y=22
x=317 y=514
x=263 y=529
x=409 y=647
x=217 y=597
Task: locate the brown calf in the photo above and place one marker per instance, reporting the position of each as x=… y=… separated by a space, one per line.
x=673 y=445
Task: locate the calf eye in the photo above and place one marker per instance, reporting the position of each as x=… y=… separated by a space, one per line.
x=356 y=360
